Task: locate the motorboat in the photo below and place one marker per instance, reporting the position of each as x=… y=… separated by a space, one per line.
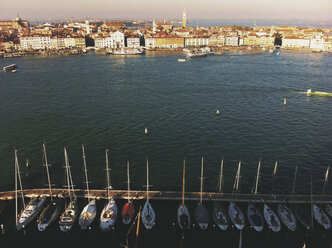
x=196 y=54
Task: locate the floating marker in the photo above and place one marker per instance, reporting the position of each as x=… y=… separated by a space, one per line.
x=146 y=131
x=218 y=112
x=285 y=100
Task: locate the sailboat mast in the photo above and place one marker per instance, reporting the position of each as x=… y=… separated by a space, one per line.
x=238 y=176
x=86 y=173
x=220 y=176
x=201 y=195
x=107 y=175
x=294 y=185
x=326 y=178
x=67 y=173
x=183 y=180
x=257 y=177
x=47 y=171
x=128 y=178
x=19 y=178
x=147 y=180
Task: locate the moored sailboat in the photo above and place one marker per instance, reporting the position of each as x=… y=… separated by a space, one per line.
x=285 y=213
x=234 y=212
x=110 y=210
x=69 y=216
x=128 y=211
x=201 y=213
x=148 y=215
x=254 y=216
x=52 y=209
x=271 y=219
x=89 y=212
x=183 y=212
x=31 y=210
x=219 y=214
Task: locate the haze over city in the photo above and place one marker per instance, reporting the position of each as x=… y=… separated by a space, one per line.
x=197 y=9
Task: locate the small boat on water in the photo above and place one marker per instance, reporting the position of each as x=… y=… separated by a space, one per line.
x=271 y=219
x=89 y=212
x=321 y=217
x=183 y=215
x=128 y=51
x=181 y=60
x=234 y=212
x=10 y=67
x=254 y=216
x=201 y=213
x=69 y=216
x=196 y=54
x=219 y=214
x=148 y=215
x=29 y=211
x=53 y=206
x=317 y=93
x=110 y=210
x=128 y=211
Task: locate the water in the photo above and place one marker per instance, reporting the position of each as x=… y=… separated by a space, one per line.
x=107 y=101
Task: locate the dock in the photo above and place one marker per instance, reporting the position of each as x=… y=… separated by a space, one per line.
x=174 y=196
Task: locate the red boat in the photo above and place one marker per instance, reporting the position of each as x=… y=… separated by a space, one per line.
x=128 y=212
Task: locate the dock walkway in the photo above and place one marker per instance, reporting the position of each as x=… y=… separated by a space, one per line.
x=174 y=196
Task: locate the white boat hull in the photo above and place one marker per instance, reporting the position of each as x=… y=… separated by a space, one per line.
x=236 y=215
x=148 y=216
x=271 y=219
x=88 y=215
x=68 y=218
x=108 y=216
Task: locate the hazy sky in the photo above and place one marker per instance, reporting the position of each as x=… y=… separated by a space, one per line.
x=196 y=9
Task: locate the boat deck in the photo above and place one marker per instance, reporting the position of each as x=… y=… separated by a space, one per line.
x=175 y=196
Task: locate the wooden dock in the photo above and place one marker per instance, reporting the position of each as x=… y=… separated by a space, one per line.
x=174 y=196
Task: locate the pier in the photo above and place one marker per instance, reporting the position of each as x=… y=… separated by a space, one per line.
x=175 y=196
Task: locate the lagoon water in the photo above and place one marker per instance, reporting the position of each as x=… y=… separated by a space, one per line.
x=107 y=101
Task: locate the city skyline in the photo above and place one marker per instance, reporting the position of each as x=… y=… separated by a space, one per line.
x=148 y=9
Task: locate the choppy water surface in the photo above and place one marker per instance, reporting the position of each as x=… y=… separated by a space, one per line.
x=107 y=101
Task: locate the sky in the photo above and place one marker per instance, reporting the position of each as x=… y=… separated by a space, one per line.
x=171 y=9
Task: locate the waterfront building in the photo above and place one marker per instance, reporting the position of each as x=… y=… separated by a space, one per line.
x=87 y=27
x=133 y=42
x=231 y=41
x=328 y=42
x=169 y=41
x=197 y=41
x=35 y=42
x=221 y=40
x=267 y=41
x=318 y=43
x=117 y=40
x=79 y=42
x=251 y=40
x=213 y=41
x=295 y=42
x=150 y=42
